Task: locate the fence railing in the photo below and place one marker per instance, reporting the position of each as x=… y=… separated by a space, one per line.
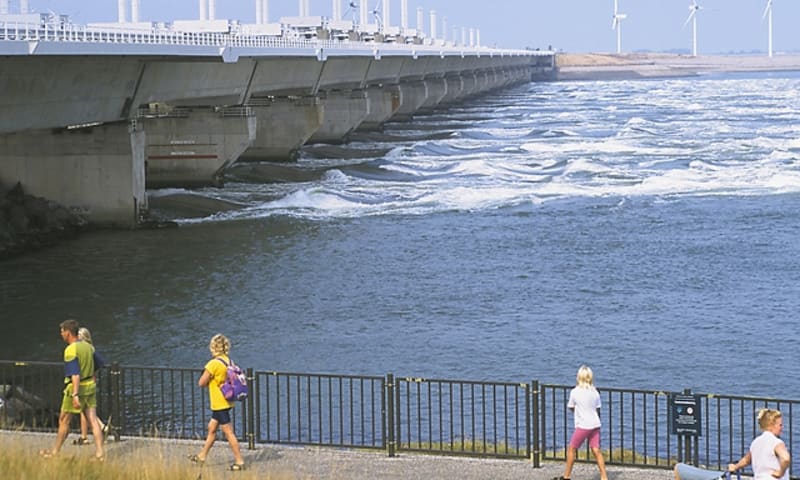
x=446 y=417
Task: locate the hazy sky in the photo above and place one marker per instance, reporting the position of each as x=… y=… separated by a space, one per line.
x=569 y=25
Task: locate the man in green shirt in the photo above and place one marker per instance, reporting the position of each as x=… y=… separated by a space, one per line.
x=80 y=391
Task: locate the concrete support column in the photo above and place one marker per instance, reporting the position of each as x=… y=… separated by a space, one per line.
x=481 y=82
x=506 y=77
x=437 y=89
x=495 y=79
x=383 y=103
x=284 y=124
x=470 y=85
x=455 y=85
x=98 y=170
x=192 y=148
x=413 y=95
x=343 y=112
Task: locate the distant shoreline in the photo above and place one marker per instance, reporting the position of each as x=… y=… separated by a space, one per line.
x=603 y=66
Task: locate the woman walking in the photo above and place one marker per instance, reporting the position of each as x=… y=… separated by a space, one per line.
x=213 y=377
x=85 y=335
x=584 y=401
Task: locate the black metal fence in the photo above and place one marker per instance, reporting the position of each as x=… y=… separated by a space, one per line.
x=446 y=417
x=463 y=417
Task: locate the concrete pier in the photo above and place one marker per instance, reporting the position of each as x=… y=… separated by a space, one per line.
x=191 y=147
x=283 y=125
x=343 y=112
x=455 y=87
x=97 y=170
x=437 y=89
x=413 y=96
x=383 y=103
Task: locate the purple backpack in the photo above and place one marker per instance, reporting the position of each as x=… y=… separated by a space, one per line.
x=235 y=385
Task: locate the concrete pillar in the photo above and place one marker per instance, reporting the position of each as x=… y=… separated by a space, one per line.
x=437 y=89
x=192 y=148
x=343 y=112
x=495 y=79
x=414 y=94
x=122 y=17
x=386 y=14
x=404 y=15
x=363 y=13
x=337 y=10
x=482 y=79
x=470 y=85
x=455 y=86
x=203 y=9
x=135 y=11
x=23 y=6
x=98 y=170
x=383 y=102
x=283 y=125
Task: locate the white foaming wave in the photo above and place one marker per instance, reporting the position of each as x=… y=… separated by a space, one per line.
x=337 y=176
x=475 y=167
x=475 y=197
x=422 y=168
x=163 y=192
x=583 y=165
x=314 y=198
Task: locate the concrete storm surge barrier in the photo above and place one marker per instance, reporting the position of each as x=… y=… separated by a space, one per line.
x=91 y=117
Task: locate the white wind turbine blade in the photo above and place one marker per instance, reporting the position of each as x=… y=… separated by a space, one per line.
x=693 y=8
x=691 y=16
x=615 y=17
x=767 y=10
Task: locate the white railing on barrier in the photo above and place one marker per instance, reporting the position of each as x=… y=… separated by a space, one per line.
x=11 y=31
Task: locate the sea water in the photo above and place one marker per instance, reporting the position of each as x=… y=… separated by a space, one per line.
x=647 y=228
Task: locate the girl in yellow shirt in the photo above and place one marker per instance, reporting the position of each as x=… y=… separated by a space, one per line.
x=213 y=377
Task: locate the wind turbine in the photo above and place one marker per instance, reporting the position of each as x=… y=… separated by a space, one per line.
x=768 y=15
x=376 y=14
x=616 y=24
x=351 y=9
x=693 y=8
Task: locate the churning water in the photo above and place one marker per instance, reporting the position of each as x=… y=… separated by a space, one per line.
x=647 y=228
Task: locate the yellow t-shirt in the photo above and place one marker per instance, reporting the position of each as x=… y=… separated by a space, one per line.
x=79 y=360
x=218 y=372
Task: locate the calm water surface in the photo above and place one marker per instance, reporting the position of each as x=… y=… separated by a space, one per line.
x=648 y=228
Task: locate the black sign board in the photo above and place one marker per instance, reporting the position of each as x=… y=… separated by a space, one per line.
x=684 y=412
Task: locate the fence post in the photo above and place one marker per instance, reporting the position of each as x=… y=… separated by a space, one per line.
x=389 y=392
x=116 y=401
x=688 y=456
x=534 y=419
x=249 y=411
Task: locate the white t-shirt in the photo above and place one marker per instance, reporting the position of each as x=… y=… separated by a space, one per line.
x=763 y=458
x=585 y=401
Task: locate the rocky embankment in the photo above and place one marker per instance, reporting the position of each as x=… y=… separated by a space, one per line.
x=28 y=222
x=598 y=66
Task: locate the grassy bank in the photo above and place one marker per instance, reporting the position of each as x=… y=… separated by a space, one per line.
x=21 y=463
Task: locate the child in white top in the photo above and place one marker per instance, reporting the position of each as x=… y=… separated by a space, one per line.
x=584 y=400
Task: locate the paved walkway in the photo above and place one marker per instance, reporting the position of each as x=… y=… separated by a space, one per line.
x=330 y=463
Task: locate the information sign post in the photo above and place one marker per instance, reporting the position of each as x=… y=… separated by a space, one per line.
x=686 y=422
